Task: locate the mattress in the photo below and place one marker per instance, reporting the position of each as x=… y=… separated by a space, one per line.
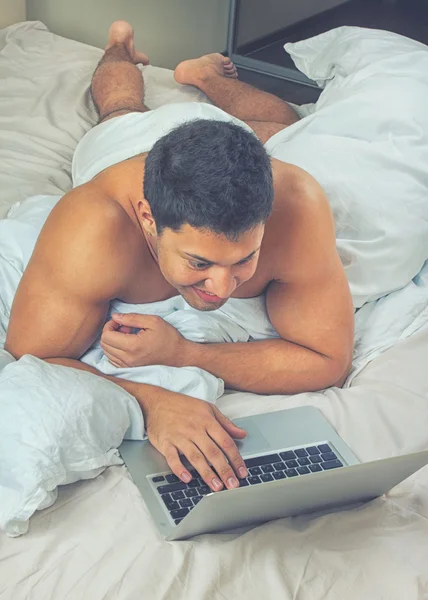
x=98 y=540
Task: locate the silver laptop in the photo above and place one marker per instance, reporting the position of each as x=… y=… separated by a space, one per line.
x=297 y=463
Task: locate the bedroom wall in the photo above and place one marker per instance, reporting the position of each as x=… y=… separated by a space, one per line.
x=168 y=31
x=11 y=11
x=259 y=18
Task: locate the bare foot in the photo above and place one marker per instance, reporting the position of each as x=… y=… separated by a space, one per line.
x=121 y=32
x=192 y=72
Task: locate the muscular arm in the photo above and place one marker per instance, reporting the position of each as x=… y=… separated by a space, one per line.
x=81 y=262
x=63 y=297
x=310 y=306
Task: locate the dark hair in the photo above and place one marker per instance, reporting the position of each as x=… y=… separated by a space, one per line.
x=211 y=175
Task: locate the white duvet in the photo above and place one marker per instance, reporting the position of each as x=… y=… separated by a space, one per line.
x=40 y=403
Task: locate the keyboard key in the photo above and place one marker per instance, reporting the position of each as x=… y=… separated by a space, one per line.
x=169 y=502
x=193 y=483
x=279 y=466
x=303 y=461
x=243 y=483
x=266 y=477
x=312 y=450
x=191 y=492
x=203 y=490
x=315 y=459
x=267 y=468
x=324 y=448
x=255 y=470
x=328 y=456
x=279 y=475
x=332 y=464
x=315 y=468
x=172 y=487
x=177 y=521
x=291 y=464
x=303 y=470
x=253 y=480
x=186 y=503
x=178 y=495
x=172 y=478
x=291 y=473
x=196 y=499
x=301 y=453
x=261 y=460
x=289 y=455
x=180 y=513
x=194 y=473
x=158 y=478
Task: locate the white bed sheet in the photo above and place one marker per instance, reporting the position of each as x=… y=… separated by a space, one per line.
x=98 y=541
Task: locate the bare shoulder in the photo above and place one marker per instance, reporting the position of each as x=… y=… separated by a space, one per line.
x=301 y=226
x=86 y=233
x=296 y=188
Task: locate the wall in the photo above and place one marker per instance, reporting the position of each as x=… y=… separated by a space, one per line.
x=167 y=30
x=262 y=17
x=11 y=11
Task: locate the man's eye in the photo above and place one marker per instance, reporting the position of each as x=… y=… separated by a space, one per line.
x=200 y=266
x=246 y=260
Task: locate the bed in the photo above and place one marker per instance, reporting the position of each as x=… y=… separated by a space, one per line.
x=97 y=541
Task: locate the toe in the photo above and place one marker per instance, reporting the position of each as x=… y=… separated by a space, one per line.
x=140 y=57
x=232 y=74
x=120 y=31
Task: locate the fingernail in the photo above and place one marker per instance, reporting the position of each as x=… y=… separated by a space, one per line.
x=232 y=482
x=117 y=316
x=242 y=472
x=217 y=483
x=185 y=477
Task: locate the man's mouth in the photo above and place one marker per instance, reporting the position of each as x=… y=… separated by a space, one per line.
x=206 y=296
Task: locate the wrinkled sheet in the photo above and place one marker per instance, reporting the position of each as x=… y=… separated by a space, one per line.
x=98 y=541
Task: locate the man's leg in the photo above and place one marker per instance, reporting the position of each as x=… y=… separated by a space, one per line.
x=117 y=85
x=216 y=76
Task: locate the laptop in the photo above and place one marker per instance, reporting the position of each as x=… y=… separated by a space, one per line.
x=297 y=464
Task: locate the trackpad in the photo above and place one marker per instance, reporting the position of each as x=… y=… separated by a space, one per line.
x=255 y=442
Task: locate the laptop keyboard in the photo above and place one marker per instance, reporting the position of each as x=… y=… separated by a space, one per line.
x=179 y=498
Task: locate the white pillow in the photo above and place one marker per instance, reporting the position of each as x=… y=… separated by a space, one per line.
x=58 y=425
x=366 y=142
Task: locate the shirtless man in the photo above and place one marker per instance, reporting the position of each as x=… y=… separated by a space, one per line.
x=201 y=229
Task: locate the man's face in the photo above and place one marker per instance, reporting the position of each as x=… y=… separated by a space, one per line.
x=205 y=267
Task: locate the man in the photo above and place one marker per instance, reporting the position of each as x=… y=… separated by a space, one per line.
x=217 y=219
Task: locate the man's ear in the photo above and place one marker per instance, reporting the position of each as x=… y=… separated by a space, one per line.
x=145 y=217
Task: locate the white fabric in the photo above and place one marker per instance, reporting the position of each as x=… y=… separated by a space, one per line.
x=121 y=138
x=98 y=541
x=366 y=143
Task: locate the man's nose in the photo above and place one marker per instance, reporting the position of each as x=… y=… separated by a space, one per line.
x=221 y=283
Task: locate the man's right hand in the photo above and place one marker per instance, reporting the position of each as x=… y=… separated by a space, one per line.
x=177 y=423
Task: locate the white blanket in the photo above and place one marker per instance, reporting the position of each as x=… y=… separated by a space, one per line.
x=98 y=415
x=60 y=425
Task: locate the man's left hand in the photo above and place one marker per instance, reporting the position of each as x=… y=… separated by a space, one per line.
x=157 y=342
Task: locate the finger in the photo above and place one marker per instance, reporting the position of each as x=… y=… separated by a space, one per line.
x=232 y=429
x=198 y=460
x=227 y=447
x=173 y=459
x=110 y=326
x=136 y=320
x=114 y=355
x=113 y=360
x=124 y=329
x=217 y=458
x=121 y=341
